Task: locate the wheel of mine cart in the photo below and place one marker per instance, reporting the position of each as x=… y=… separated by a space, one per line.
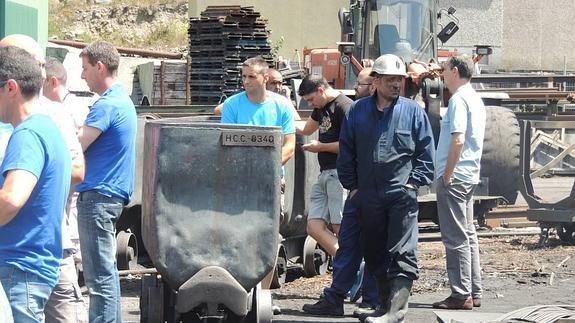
x=566 y=232
x=261 y=311
x=126 y=250
x=280 y=271
x=315 y=259
x=151 y=300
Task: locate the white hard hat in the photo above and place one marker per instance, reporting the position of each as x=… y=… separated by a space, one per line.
x=388 y=64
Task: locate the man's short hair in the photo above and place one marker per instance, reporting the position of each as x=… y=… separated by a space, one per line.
x=258 y=63
x=21 y=66
x=464 y=65
x=310 y=83
x=102 y=51
x=55 y=68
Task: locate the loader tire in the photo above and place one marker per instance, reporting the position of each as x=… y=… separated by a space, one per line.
x=500 y=159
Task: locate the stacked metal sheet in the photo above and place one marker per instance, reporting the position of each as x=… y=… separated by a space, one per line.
x=220 y=40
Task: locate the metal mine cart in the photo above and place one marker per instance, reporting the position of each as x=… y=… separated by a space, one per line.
x=210 y=220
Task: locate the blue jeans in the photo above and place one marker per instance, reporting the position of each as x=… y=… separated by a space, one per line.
x=26 y=293
x=97 y=216
x=347 y=261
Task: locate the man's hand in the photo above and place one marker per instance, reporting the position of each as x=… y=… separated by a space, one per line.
x=314 y=146
x=352 y=193
x=447 y=179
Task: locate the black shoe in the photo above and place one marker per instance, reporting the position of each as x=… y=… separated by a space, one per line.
x=363 y=313
x=323 y=307
x=363 y=308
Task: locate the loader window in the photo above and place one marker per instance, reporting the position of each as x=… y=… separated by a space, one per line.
x=400 y=27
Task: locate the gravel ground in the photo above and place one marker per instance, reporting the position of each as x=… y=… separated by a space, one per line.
x=516 y=273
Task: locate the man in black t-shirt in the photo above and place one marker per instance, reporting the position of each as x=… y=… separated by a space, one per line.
x=327 y=196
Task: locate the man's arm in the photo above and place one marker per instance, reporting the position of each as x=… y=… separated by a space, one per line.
x=78 y=169
x=218 y=109
x=288 y=147
x=316 y=146
x=422 y=173
x=347 y=157
x=87 y=135
x=455 y=149
x=308 y=128
x=18 y=186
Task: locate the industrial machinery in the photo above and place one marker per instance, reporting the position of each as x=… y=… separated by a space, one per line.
x=408 y=29
x=211 y=242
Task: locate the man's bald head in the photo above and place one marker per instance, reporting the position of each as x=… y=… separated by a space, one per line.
x=275 y=81
x=363 y=84
x=25 y=42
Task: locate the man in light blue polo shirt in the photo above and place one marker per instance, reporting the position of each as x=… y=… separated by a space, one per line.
x=458 y=158
x=260 y=107
x=35 y=182
x=108 y=138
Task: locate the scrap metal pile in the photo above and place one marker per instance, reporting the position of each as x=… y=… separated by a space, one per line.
x=220 y=40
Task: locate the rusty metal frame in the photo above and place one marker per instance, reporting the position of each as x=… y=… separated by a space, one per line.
x=526 y=185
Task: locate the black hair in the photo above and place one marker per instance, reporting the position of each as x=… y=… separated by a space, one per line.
x=21 y=66
x=310 y=83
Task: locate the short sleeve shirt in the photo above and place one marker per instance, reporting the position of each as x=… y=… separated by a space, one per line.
x=330 y=119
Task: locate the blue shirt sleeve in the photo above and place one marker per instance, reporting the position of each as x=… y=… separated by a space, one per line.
x=229 y=114
x=100 y=116
x=25 y=152
x=288 y=125
x=458 y=115
x=347 y=159
x=423 y=169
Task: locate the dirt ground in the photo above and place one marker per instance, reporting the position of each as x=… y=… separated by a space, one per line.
x=516 y=273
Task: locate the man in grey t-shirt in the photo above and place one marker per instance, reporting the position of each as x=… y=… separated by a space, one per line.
x=457 y=163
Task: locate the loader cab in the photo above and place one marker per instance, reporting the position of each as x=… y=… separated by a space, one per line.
x=406 y=28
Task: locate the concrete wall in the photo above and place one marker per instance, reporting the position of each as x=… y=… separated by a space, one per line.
x=526 y=35
x=311 y=23
x=480 y=23
x=539 y=34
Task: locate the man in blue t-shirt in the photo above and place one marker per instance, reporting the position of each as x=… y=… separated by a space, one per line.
x=108 y=138
x=458 y=158
x=35 y=182
x=260 y=107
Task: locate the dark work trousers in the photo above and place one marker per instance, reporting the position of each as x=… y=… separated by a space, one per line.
x=390 y=233
x=347 y=261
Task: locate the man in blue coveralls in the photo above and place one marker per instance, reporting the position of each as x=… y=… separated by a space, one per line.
x=349 y=256
x=386 y=154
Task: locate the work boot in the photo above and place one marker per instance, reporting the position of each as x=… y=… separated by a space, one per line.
x=323 y=308
x=396 y=305
x=383 y=290
x=363 y=313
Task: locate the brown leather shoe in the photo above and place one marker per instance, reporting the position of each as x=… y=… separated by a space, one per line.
x=451 y=303
x=477 y=302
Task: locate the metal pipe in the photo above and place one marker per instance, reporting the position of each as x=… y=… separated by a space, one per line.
x=122 y=50
x=143 y=271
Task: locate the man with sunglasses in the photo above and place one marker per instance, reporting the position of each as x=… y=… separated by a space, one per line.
x=458 y=159
x=385 y=153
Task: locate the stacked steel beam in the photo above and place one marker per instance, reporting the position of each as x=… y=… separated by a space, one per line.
x=220 y=40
